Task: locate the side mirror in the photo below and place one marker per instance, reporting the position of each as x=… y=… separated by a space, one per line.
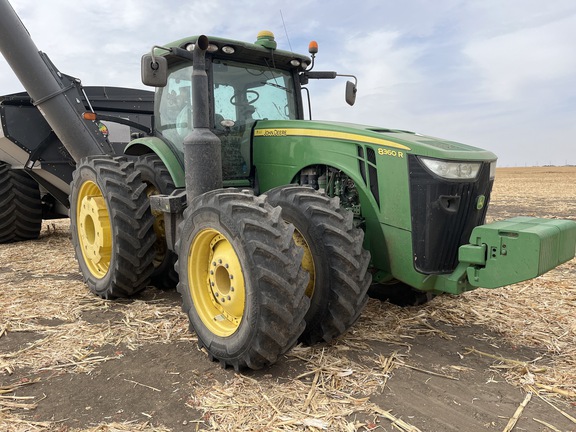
x=154 y=70
x=351 y=90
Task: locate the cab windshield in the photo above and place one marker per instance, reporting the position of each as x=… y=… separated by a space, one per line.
x=244 y=93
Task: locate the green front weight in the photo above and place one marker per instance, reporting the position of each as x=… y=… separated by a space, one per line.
x=517 y=249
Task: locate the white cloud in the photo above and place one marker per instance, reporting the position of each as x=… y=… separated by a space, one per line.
x=498 y=75
x=514 y=62
x=383 y=66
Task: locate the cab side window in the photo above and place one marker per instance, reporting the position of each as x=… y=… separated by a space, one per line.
x=174 y=106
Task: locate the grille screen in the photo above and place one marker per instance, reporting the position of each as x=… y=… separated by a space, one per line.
x=444 y=214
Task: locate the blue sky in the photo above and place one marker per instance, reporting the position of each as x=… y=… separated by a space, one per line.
x=496 y=74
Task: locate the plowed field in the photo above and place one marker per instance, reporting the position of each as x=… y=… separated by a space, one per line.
x=71 y=361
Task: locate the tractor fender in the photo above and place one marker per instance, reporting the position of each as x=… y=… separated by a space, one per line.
x=171 y=158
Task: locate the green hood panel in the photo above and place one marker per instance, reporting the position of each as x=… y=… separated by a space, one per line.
x=409 y=142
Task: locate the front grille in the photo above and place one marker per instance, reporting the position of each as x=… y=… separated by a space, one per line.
x=444 y=214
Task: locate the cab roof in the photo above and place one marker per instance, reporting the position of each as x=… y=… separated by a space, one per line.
x=243 y=52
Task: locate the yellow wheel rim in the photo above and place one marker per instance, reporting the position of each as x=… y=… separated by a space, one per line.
x=307 y=262
x=216 y=282
x=159 y=229
x=94 y=229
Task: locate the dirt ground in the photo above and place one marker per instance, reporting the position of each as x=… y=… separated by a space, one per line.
x=70 y=361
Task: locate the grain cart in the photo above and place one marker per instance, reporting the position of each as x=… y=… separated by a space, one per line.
x=35 y=167
x=279 y=224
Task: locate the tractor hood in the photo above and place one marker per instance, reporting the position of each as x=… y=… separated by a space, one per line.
x=394 y=139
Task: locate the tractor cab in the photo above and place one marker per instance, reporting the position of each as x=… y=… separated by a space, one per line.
x=247 y=83
x=240 y=94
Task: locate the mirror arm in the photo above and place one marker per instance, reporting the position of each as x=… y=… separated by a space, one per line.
x=349 y=76
x=306 y=75
x=154 y=62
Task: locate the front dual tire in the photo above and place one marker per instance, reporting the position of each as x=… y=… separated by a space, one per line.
x=159 y=181
x=333 y=256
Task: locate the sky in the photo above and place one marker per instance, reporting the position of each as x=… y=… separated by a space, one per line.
x=495 y=74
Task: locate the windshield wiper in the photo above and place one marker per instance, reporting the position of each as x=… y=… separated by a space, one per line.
x=277 y=86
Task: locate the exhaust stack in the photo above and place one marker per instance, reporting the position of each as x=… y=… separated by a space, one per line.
x=202 y=149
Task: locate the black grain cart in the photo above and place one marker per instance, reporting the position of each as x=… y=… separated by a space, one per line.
x=35 y=166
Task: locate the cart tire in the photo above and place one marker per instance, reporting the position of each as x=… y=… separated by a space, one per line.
x=20 y=206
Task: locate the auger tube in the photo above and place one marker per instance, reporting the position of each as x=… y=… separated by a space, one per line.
x=57 y=96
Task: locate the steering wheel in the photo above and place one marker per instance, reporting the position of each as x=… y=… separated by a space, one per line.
x=249 y=102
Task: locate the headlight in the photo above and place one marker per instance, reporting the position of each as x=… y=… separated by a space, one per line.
x=452 y=170
x=492 y=170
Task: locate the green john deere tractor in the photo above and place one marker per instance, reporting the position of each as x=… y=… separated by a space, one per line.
x=364 y=204
x=278 y=226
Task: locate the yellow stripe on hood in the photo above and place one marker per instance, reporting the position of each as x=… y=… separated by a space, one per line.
x=279 y=132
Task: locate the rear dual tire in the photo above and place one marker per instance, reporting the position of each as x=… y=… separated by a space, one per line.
x=241 y=281
x=111 y=226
